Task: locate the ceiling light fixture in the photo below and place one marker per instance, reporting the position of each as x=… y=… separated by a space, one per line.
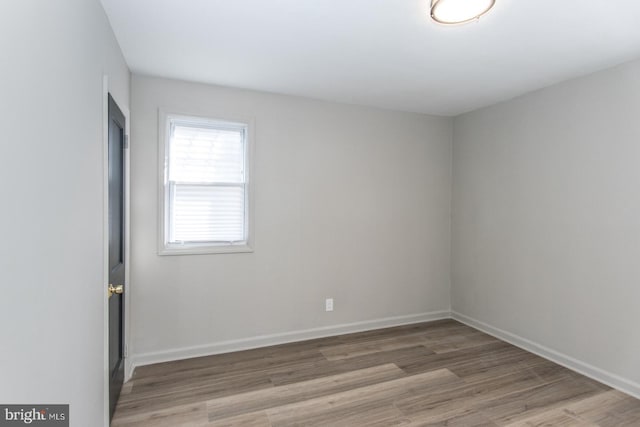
x=459 y=11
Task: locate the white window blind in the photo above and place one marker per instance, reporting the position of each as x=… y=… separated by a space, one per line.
x=206 y=183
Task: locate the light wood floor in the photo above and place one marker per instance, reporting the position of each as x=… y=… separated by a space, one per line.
x=431 y=374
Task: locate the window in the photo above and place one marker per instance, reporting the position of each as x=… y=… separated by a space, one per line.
x=206 y=186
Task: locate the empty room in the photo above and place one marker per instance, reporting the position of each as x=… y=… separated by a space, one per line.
x=320 y=213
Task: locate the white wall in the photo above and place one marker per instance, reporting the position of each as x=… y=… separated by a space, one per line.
x=54 y=54
x=546 y=220
x=350 y=202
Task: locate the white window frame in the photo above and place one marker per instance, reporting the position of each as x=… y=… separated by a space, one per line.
x=190 y=248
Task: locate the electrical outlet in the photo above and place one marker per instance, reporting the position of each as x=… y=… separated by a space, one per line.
x=328 y=304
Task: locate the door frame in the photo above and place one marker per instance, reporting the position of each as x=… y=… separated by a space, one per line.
x=128 y=367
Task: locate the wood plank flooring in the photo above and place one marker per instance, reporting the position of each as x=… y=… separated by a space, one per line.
x=430 y=374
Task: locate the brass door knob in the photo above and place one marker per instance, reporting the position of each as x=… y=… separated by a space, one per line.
x=115 y=290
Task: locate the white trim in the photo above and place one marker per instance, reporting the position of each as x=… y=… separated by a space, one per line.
x=105 y=240
x=202 y=249
x=128 y=367
x=569 y=362
x=248 y=123
x=283 y=338
x=608 y=378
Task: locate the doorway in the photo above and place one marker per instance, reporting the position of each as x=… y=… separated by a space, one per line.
x=116 y=259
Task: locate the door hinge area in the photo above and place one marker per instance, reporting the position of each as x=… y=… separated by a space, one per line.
x=126 y=142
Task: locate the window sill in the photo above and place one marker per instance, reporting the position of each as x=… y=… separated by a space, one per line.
x=204 y=249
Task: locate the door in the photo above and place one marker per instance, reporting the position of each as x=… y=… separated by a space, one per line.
x=116 y=252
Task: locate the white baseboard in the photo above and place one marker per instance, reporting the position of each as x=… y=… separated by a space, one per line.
x=282 y=338
x=128 y=369
x=583 y=368
x=608 y=378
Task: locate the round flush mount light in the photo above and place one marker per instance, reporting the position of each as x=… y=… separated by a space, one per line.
x=459 y=11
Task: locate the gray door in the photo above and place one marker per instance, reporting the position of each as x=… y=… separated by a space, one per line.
x=116 y=252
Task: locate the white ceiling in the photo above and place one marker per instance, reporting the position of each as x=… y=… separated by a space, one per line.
x=384 y=53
